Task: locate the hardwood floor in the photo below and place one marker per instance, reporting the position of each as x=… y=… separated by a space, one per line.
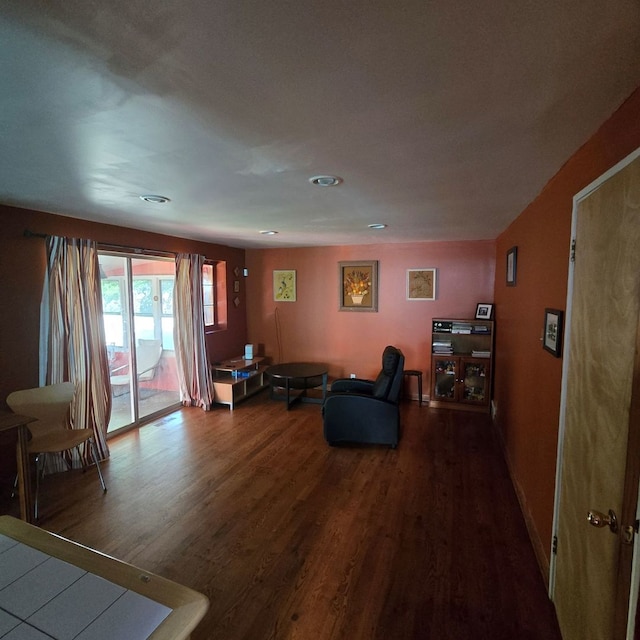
x=292 y=539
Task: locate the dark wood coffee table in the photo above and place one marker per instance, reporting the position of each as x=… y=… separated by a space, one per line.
x=296 y=378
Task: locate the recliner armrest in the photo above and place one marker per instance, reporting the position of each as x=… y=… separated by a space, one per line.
x=352 y=385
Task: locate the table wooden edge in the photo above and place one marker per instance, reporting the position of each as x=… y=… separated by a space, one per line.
x=188 y=606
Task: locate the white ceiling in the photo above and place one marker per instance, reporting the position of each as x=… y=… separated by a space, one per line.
x=445 y=118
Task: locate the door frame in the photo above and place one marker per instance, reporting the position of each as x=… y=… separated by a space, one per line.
x=634 y=411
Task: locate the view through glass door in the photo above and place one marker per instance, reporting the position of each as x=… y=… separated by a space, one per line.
x=137 y=306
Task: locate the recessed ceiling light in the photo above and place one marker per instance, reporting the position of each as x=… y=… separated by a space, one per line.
x=155 y=199
x=268 y=233
x=378 y=226
x=325 y=181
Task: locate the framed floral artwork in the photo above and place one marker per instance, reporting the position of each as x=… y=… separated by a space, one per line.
x=284 y=285
x=358 y=285
x=421 y=284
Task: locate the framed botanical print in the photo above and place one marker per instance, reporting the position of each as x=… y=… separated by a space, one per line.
x=358 y=285
x=284 y=285
x=421 y=284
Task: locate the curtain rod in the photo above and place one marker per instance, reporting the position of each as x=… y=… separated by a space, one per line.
x=137 y=250
x=30 y=234
x=111 y=247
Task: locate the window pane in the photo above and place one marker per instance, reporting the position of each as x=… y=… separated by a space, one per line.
x=113 y=329
x=144 y=327
x=208 y=294
x=142 y=296
x=166 y=292
x=167 y=333
x=111 y=296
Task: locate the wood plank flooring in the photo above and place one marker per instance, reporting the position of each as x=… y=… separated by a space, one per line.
x=292 y=539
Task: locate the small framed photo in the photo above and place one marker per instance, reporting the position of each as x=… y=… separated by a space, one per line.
x=358 y=285
x=484 y=311
x=421 y=284
x=552 y=332
x=512 y=264
x=284 y=285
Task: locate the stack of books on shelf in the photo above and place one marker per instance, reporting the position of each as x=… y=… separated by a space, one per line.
x=442 y=347
x=481 y=354
x=481 y=328
x=461 y=327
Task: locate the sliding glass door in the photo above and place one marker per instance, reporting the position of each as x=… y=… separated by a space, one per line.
x=137 y=305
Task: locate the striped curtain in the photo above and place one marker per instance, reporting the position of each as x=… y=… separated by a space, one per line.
x=196 y=388
x=73 y=346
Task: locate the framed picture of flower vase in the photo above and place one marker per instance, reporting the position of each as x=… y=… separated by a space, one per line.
x=358 y=285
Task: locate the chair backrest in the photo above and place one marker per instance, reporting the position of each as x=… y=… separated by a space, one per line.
x=49 y=405
x=148 y=354
x=388 y=384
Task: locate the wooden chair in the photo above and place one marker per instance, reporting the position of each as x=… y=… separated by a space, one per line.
x=50 y=406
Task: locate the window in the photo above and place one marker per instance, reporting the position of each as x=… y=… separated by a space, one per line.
x=209 y=295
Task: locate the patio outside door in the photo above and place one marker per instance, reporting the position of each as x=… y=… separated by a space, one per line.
x=137 y=300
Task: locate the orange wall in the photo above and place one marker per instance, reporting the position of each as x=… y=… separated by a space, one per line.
x=527 y=378
x=312 y=328
x=22 y=262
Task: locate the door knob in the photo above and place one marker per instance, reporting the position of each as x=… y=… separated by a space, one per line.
x=598 y=519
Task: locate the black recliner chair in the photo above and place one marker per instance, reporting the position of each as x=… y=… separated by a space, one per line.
x=360 y=410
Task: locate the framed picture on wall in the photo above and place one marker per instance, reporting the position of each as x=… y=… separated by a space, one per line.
x=358 y=285
x=512 y=264
x=552 y=336
x=284 y=285
x=421 y=284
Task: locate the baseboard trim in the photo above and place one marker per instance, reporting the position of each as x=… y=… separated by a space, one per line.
x=534 y=536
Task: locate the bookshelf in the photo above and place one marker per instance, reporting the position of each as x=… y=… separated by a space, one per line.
x=461 y=364
x=237 y=379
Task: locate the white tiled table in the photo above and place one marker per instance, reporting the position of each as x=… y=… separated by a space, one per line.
x=51 y=587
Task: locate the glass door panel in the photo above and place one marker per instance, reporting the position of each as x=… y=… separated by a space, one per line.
x=137 y=296
x=475 y=380
x=445 y=379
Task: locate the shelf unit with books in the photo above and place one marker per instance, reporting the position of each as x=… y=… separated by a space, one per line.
x=461 y=364
x=237 y=379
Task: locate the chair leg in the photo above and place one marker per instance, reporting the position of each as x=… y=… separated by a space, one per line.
x=94 y=453
x=39 y=469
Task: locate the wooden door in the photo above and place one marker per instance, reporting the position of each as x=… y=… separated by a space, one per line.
x=591 y=576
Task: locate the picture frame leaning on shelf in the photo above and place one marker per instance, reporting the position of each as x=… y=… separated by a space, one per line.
x=484 y=311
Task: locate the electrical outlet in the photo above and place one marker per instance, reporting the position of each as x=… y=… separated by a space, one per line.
x=352 y=375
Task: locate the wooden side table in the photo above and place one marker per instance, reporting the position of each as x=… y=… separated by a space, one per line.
x=10 y=421
x=417 y=374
